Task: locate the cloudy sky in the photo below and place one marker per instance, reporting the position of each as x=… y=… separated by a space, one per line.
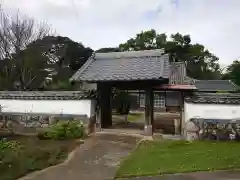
x=106 y=23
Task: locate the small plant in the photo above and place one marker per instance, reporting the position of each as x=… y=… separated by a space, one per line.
x=63 y=130
x=20 y=155
x=8 y=145
x=42 y=134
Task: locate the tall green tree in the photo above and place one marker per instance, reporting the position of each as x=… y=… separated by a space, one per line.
x=201 y=63
x=64 y=56
x=233 y=72
x=109 y=49
x=56 y=59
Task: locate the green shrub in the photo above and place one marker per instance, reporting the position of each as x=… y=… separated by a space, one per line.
x=6 y=145
x=43 y=134
x=7 y=148
x=63 y=130
x=31 y=154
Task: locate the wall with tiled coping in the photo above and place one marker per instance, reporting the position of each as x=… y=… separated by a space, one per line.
x=208 y=111
x=26 y=116
x=65 y=107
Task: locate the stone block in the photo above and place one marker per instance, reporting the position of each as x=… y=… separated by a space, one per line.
x=148 y=130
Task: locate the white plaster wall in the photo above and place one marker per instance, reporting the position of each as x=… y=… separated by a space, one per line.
x=216 y=111
x=206 y=111
x=66 y=107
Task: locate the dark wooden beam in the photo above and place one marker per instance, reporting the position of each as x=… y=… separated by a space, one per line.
x=149 y=121
x=135 y=85
x=181 y=111
x=151 y=108
x=105 y=108
x=98 y=111
x=147 y=104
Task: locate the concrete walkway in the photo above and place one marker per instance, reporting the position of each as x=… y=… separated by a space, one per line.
x=97 y=159
x=220 y=175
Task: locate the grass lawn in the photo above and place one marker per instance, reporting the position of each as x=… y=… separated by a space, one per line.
x=131 y=116
x=32 y=154
x=134 y=116
x=154 y=158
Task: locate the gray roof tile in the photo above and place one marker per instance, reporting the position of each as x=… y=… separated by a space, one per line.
x=214 y=98
x=47 y=95
x=178 y=74
x=215 y=85
x=120 y=66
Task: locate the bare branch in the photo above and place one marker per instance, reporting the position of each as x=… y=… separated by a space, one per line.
x=17 y=31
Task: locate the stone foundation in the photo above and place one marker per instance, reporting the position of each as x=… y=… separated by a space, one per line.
x=148 y=130
x=30 y=124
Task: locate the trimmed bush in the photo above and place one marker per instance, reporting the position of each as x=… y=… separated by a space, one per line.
x=63 y=130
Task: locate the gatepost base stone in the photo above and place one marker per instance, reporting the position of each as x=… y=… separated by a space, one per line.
x=98 y=127
x=148 y=130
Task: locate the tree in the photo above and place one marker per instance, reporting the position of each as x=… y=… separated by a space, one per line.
x=121 y=101
x=61 y=85
x=233 y=72
x=145 y=40
x=33 y=59
x=63 y=52
x=109 y=49
x=65 y=57
x=201 y=64
x=17 y=32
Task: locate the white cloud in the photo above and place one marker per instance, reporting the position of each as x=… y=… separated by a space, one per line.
x=106 y=23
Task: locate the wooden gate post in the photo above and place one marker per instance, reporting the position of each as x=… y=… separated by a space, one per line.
x=105 y=109
x=149 y=96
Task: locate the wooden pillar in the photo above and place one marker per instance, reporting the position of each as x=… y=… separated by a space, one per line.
x=98 y=111
x=181 y=112
x=149 y=112
x=165 y=94
x=98 y=118
x=151 y=109
x=105 y=109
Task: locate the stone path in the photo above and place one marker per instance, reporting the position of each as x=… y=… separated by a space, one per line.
x=221 y=175
x=97 y=159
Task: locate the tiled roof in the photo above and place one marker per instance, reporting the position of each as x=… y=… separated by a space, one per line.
x=124 y=66
x=176 y=87
x=214 y=98
x=188 y=81
x=215 y=85
x=47 y=95
x=178 y=74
